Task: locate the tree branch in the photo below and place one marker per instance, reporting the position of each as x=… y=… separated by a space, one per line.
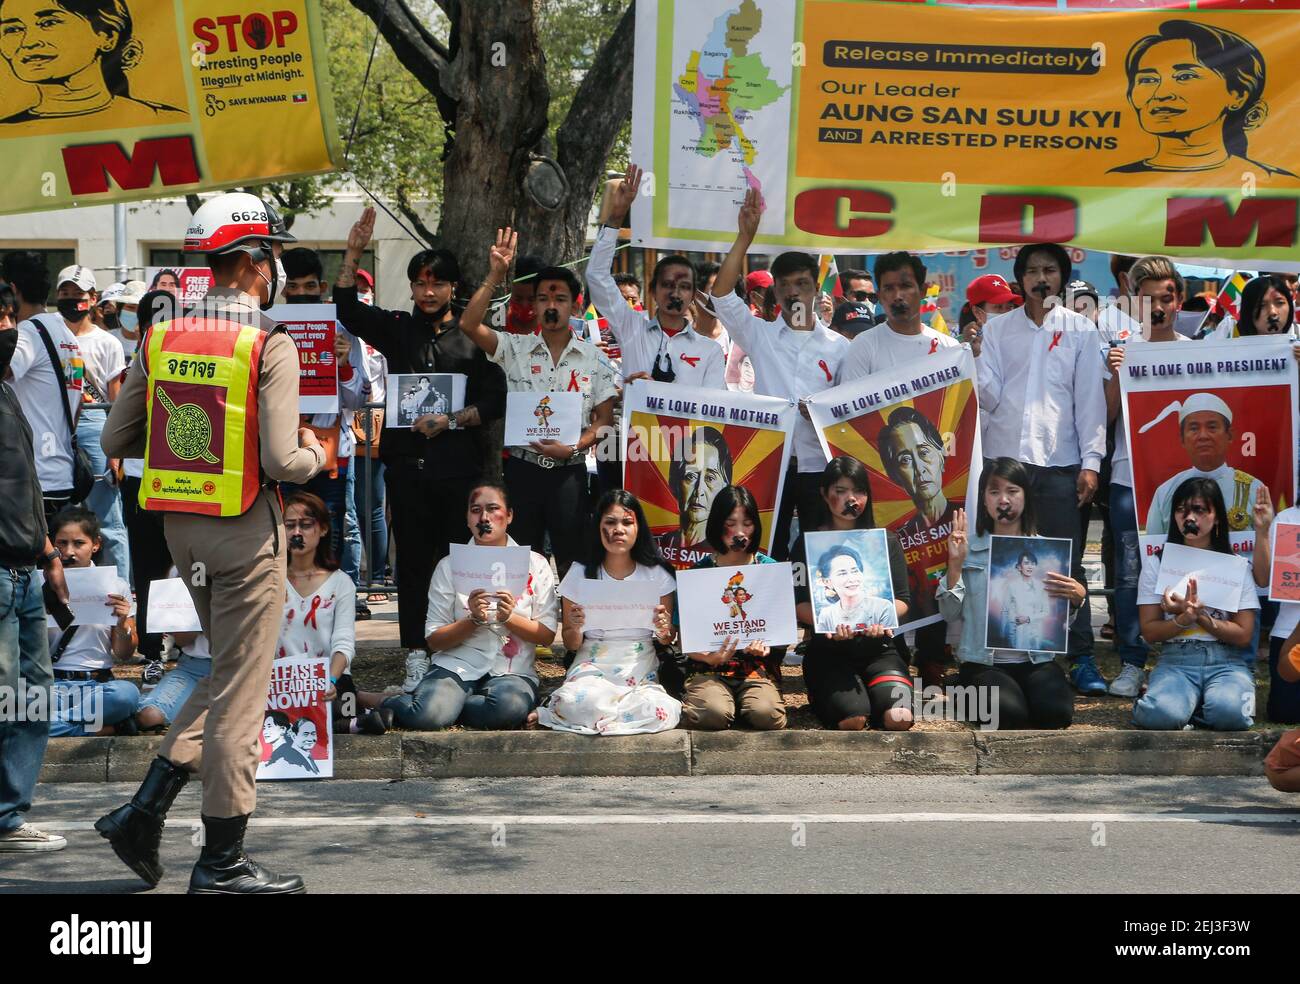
x=412 y=216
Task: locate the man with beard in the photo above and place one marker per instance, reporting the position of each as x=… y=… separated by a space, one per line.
x=1042 y=403
x=429 y=469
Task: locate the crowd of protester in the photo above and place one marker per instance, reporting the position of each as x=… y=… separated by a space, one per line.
x=1054 y=447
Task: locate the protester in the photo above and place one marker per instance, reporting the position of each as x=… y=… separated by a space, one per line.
x=119 y=306
x=548 y=480
x=613 y=685
x=629 y=285
x=429 y=469
x=852 y=319
x=1266 y=307
x=797 y=358
x=24 y=648
x=37 y=381
x=855 y=676
x=1160 y=289
x=161 y=702
x=856 y=286
x=1025 y=689
x=484 y=643
x=368 y=494
x=1042 y=403
x=986 y=297
x=732 y=682
x=87 y=699
x=1204 y=674
x=1284 y=691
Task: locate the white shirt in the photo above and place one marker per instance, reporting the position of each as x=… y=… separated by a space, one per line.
x=1113 y=325
x=492 y=650
x=880 y=347
x=322 y=623
x=1242 y=499
x=696 y=360
x=1147 y=595
x=129 y=345
x=91 y=646
x=35 y=383
x=1288 y=612
x=581 y=368
x=1041 y=395
x=104 y=362
x=1121 y=468
x=352 y=396
x=789 y=364
x=664 y=583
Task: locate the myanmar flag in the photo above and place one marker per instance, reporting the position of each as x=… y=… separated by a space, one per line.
x=828 y=275
x=1230 y=296
x=930 y=306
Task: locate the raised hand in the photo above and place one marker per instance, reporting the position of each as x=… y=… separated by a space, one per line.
x=958 y=539
x=623 y=194
x=362 y=231
x=750 y=214
x=502 y=252
x=1263 y=512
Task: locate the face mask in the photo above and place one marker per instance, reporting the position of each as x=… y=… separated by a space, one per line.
x=111 y=321
x=129 y=320
x=73 y=308
x=366 y=298
x=301 y=299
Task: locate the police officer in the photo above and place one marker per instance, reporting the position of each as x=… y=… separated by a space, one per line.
x=212 y=405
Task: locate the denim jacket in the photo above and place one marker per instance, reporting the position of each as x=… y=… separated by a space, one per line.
x=968 y=600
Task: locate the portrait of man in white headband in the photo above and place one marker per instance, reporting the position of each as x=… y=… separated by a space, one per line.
x=1205 y=430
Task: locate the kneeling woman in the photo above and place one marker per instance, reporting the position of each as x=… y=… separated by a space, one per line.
x=484 y=644
x=731 y=683
x=855 y=676
x=1029 y=689
x=612 y=687
x=1203 y=664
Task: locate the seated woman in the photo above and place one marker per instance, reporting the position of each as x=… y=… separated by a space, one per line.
x=484 y=644
x=1029 y=689
x=855 y=676
x=320 y=611
x=86 y=699
x=612 y=687
x=729 y=684
x=1282 y=765
x=1203 y=675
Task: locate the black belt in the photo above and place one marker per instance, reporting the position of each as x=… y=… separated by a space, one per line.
x=96 y=676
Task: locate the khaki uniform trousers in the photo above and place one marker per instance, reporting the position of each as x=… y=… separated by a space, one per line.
x=235 y=569
x=712 y=703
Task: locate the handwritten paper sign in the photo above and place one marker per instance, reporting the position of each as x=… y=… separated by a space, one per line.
x=1218 y=575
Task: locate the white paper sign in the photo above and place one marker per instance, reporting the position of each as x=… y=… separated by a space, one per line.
x=752 y=603
x=617 y=604
x=412 y=395
x=88 y=591
x=171 y=609
x=489 y=569
x=1218 y=575
x=542 y=417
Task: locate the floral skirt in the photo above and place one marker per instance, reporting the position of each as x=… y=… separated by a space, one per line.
x=612 y=688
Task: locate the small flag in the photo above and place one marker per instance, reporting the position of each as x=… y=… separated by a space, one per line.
x=300 y=97
x=828 y=275
x=930 y=306
x=1230 y=295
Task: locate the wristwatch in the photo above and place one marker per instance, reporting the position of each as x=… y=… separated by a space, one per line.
x=452 y=424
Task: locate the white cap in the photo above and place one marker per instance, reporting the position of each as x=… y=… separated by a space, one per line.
x=1196 y=403
x=133 y=292
x=113 y=292
x=82 y=276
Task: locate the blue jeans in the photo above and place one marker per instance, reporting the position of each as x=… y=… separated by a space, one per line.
x=369 y=473
x=1198 y=674
x=105 y=499
x=24 y=685
x=174 y=689
x=82 y=707
x=1128 y=566
x=442 y=699
x=350 y=561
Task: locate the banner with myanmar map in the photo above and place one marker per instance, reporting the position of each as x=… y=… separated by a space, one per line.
x=1134 y=126
x=916 y=429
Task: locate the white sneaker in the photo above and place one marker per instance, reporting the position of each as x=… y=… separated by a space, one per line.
x=417 y=665
x=1129 y=682
x=27 y=838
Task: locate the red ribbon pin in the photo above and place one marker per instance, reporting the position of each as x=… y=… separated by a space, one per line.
x=1056 y=340
x=822 y=365
x=310 y=617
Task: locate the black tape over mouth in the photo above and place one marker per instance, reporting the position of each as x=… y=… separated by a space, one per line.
x=296 y=542
x=483 y=527
x=851 y=509
x=1042 y=290
x=739 y=543
x=1190 y=527
x=1005 y=514
x=551 y=316
x=674 y=304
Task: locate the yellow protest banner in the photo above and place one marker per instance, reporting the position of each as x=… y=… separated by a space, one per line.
x=883 y=124
x=109 y=100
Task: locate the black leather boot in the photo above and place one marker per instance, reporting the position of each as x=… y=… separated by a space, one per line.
x=224 y=868
x=134 y=831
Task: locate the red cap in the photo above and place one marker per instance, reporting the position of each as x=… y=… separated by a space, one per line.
x=365 y=278
x=758 y=280
x=990 y=289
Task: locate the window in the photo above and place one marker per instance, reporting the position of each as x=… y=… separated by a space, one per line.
x=174 y=258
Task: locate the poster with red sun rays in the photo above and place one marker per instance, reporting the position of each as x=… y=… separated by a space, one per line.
x=916 y=429
x=682 y=445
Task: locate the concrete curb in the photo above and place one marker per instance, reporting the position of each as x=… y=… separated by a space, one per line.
x=470 y=754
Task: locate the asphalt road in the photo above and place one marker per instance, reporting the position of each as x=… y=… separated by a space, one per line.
x=733 y=834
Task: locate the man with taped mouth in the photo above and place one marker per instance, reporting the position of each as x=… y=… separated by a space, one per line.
x=902 y=337
x=1205 y=430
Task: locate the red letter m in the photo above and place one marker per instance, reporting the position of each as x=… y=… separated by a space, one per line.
x=1272 y=221
x=89 y=167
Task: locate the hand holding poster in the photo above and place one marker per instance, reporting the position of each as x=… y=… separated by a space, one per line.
x=314 y=329
x=1284 y=578
x=88 y=591
x=916 y=429
x=1022 y=616
x=682 y=445
x=171 y=609
x=849 y=580
x=533 y=417
x=616 y=604
x=491 y=569
x=411 y=396
x=1222 y=410
x=297 y=740
x=754 y=603
x=1218 y=575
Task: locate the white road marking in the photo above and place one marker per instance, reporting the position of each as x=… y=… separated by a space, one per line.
x=717 y=819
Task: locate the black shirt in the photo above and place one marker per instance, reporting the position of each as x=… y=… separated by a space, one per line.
x=411 y=342
x=22 y=518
